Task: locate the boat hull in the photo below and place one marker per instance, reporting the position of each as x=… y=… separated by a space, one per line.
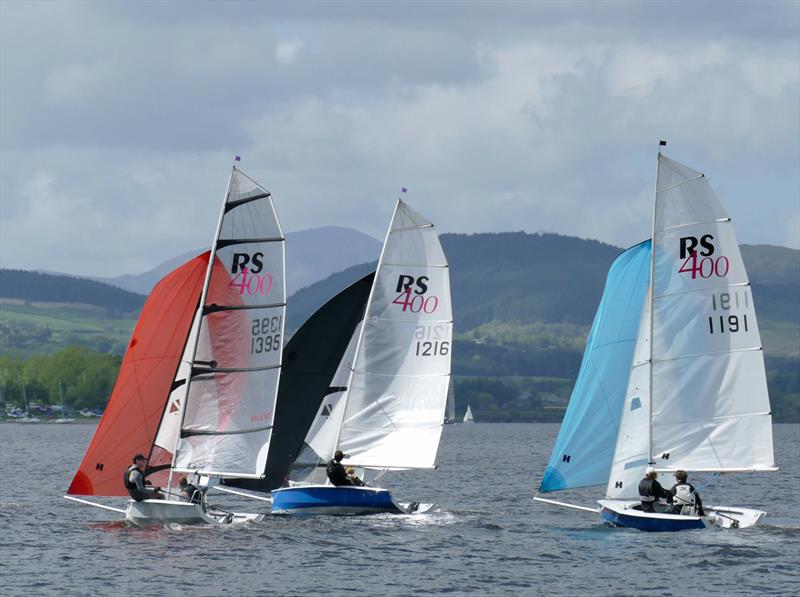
x=342 y=501
x=157 y=512
x=623 y=514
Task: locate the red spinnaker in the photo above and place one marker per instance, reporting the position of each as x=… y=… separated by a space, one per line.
x=131 y=419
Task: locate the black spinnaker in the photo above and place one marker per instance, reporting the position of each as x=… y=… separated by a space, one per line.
x=310 y=360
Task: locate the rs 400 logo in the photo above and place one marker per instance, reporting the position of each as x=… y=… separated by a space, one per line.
x=250 y=280
x=412 y=295
x=704 y=264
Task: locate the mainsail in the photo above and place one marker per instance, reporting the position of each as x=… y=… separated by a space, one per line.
x=584 y=448
x=710 y=407
x=235 y=362
x=139 y=400
x=393 y=411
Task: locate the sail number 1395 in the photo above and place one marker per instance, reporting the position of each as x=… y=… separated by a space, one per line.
x=265 y=334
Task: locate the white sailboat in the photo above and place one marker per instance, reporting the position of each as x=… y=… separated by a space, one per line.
x=386 y=406
x=26 y=416
x=673 y=372
x=468 y=418
x=63 y=419
x=197 y=387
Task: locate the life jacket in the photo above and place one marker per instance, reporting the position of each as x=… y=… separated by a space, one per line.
x=131 y=486
x=685 y=498
x=646 y=491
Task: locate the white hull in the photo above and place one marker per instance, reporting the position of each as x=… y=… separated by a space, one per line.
x=155 y=512
x=622 y=513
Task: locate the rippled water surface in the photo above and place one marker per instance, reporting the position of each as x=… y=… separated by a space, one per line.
x=486 y=537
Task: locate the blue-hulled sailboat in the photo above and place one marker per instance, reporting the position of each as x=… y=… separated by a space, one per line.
x=673 y=372
x=386 y=403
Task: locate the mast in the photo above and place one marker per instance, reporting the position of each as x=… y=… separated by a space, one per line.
x=203 y=295
x=346 y=397
x=651 y=462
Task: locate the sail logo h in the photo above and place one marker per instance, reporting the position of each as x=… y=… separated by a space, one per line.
x=419 y=302
x=250 y=280
x=706 y=267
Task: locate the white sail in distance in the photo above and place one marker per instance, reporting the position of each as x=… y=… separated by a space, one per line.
x=396 y=396
x=230 y=395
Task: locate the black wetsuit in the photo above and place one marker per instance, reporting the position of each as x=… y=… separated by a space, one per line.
x=135 y=485
x=650 y=491
x=337 y=474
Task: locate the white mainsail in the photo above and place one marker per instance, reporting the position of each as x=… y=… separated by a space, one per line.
x=697 y=394
x=235 y=360
x=710 y=407
x=393 y=410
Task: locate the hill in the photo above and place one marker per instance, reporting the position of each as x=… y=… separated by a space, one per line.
x=311 y=255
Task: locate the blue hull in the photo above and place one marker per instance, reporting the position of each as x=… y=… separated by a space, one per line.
x=326 y=499
x=651 y=523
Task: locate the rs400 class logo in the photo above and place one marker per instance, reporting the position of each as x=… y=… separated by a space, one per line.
x=701 y=263
x=412 y=295
x=248 y=277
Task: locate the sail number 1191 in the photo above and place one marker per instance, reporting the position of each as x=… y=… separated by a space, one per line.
x=726 y=301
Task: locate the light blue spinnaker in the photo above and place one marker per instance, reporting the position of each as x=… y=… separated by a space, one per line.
x=584 y=448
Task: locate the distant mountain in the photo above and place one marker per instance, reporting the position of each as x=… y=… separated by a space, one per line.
x=554 y=279
x=311 y=255
x=55 y=288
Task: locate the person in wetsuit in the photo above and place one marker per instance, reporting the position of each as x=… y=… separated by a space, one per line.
x=650 y=491
x=134 y=479
x=351 y=474
x=687 y=500
x=337 y=474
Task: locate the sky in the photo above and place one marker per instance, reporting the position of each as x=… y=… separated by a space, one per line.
x=119 y=121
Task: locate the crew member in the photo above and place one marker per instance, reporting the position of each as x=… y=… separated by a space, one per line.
x=337 y=474
x=351 y=474
x=686 y=497
x=135 y=483
x=191 y=492
x=650 y=491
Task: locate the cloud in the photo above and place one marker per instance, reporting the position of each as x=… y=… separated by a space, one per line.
x=499 y=116
x=286 y=51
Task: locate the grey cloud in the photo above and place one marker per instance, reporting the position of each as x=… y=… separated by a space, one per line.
x=119 y=120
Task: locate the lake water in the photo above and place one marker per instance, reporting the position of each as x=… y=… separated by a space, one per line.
x=487 y=537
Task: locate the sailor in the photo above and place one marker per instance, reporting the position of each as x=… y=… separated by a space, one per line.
x=686 y=497
x=135 y=483
x=650 y=492
x=337 y=474
x=191 y=492
x=351 y=474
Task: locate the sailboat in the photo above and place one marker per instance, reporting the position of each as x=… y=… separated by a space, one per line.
x=26 y=416
x=673 y=372
x=386 y=404
x=63 y=419
x=197 y=386
x=468 y=418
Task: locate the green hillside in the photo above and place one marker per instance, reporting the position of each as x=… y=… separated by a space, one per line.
x=523 y=305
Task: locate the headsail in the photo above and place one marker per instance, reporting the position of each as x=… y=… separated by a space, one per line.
x=235 y=365
x=394 y=409
x=584 y=449
x=134 y=411
x=710 y=407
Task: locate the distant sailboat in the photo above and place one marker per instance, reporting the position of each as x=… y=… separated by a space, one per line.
x=386 y=404
x=26 y=416
x=63 y=419
x=197 y=394
x=468 y=418
x=673 y=373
